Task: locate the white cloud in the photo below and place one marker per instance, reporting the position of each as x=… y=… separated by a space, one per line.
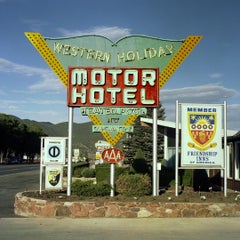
x=215 y=75
x=205 y=94
x=8 y=66
x=48 y=80
x=114 y=33
x=209 y=93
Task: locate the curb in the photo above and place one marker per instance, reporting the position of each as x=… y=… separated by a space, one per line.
x=31 y=207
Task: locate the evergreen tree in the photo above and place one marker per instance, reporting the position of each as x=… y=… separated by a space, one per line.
x=142 y=138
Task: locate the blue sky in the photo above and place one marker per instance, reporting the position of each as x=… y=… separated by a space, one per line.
x=210 y=74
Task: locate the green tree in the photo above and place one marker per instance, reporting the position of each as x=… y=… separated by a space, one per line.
x=139 y=163
x=17 y=138
x=142 y=138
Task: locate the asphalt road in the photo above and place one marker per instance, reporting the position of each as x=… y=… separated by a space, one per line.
x=14 y=179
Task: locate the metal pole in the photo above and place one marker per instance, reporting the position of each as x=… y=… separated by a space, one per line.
x=41 y=172
x=112 y=170
x=70 y=126
x=155 y=152
x=176 y=144
x=157 y=175
x=225 y=148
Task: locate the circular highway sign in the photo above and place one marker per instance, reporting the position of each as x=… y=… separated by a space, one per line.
x=54 y=151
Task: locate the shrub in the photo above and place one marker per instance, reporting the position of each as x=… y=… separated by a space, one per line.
x=103 y=172
x=88 y=173
x=88 y=189
x=78 y=167
x=133 y=185
x=139 y=163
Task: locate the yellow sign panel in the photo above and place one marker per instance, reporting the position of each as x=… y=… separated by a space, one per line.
x=178 y=58
x=113 y=140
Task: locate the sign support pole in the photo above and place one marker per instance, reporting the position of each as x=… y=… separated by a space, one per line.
x=41 y=165
x=225 y=148
x=112 y=170
x=176 y=151
x=155 y=190
x=70 y=126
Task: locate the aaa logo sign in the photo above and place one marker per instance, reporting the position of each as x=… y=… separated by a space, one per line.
x=202 y=129
x=112 y=155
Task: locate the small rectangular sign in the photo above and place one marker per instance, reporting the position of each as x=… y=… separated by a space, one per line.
x=98 y=86
x=54 y=150
x=54 y=177
x=112 y=128
x=85 y=111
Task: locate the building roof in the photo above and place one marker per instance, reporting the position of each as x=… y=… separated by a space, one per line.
x=235 y=137
x=172 y=125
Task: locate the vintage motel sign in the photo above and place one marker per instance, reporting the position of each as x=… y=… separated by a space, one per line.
x=130 y=51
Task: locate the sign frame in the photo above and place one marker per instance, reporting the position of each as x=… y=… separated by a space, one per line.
x=223 y=133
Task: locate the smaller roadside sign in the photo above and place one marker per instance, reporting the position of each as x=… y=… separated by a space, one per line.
x=54 y=150
x=54 y=177
x=112 y=155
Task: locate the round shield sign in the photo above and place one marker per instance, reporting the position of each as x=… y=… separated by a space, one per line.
x=112 y=155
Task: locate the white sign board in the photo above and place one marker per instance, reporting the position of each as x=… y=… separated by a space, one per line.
x=54 y=150
x=202 y=132
x=54 y=177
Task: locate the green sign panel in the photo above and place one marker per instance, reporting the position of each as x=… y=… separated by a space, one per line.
x=131 y=51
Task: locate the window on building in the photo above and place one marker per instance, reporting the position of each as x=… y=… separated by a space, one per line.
x=237 y=160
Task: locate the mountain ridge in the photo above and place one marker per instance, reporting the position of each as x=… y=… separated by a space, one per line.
x=82 y=136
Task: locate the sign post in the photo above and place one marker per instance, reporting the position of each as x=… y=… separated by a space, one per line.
x=155 y=190
x=53 y=159
x=112 y=156
x=112 y=179
x=70 y=127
